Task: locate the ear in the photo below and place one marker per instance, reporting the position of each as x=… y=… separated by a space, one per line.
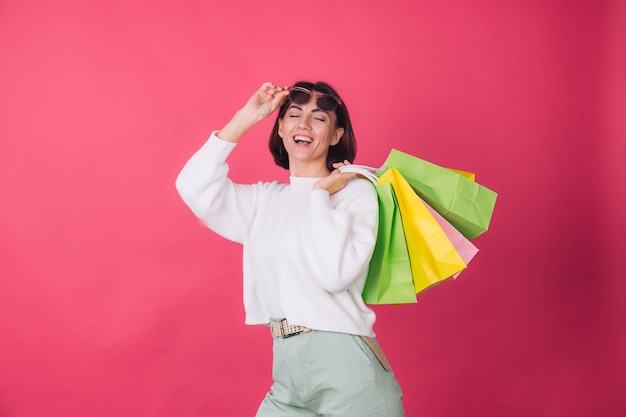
x=280 y=128
x=337 y=136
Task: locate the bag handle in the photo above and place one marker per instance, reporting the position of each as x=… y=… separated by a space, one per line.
x=363 y=170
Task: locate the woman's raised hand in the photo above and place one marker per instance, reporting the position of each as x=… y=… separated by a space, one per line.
x=262 y=103
x=267 y=99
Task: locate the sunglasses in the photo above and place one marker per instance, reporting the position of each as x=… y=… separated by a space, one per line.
x=301 y=95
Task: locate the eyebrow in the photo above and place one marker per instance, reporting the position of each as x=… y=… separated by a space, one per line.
x=293 y=106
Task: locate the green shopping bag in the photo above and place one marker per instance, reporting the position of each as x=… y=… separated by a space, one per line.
x=467 y=205
x=390 y=280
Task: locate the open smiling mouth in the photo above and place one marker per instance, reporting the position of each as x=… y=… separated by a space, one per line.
x=302 y=140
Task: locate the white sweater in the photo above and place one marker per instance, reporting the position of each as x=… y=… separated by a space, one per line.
x=305 y=252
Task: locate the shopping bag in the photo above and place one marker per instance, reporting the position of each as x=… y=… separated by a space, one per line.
x=466 y=249
x=467 y=205
x=433 y=256
x=468 y=175
x=390 y=279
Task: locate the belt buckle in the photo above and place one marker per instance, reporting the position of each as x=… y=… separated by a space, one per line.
x=282 y=330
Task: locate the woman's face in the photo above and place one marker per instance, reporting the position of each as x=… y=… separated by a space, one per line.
x=307 y=133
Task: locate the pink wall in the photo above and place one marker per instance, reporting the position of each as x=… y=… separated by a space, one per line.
x=114 y=302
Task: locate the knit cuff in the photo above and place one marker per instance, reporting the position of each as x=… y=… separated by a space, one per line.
x=217 y=148
x=320 y=202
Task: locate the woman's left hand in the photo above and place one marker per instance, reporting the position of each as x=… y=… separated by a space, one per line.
x=336 y=181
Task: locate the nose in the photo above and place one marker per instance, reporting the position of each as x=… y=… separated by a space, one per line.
x=305 y=122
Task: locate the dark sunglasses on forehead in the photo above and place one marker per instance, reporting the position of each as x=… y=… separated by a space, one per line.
x=301 y=95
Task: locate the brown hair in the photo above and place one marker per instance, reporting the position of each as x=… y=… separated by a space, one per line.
x=344 y=149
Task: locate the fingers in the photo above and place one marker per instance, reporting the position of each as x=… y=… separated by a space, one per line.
x=271 y=90
x=340 y=164
x=272 y=94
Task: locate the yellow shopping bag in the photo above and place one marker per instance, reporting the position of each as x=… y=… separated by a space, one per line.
x=433 y=257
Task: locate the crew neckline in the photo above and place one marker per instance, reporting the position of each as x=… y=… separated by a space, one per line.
x=303 y=180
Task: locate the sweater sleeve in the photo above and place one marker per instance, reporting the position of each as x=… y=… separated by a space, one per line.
x=341 y=239
x=203 y=184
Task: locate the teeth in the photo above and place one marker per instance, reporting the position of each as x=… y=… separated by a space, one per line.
x=302 y=139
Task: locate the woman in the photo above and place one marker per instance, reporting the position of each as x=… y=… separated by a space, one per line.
x=307 y=245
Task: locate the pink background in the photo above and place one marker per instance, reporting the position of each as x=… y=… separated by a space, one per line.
x=115 y=302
